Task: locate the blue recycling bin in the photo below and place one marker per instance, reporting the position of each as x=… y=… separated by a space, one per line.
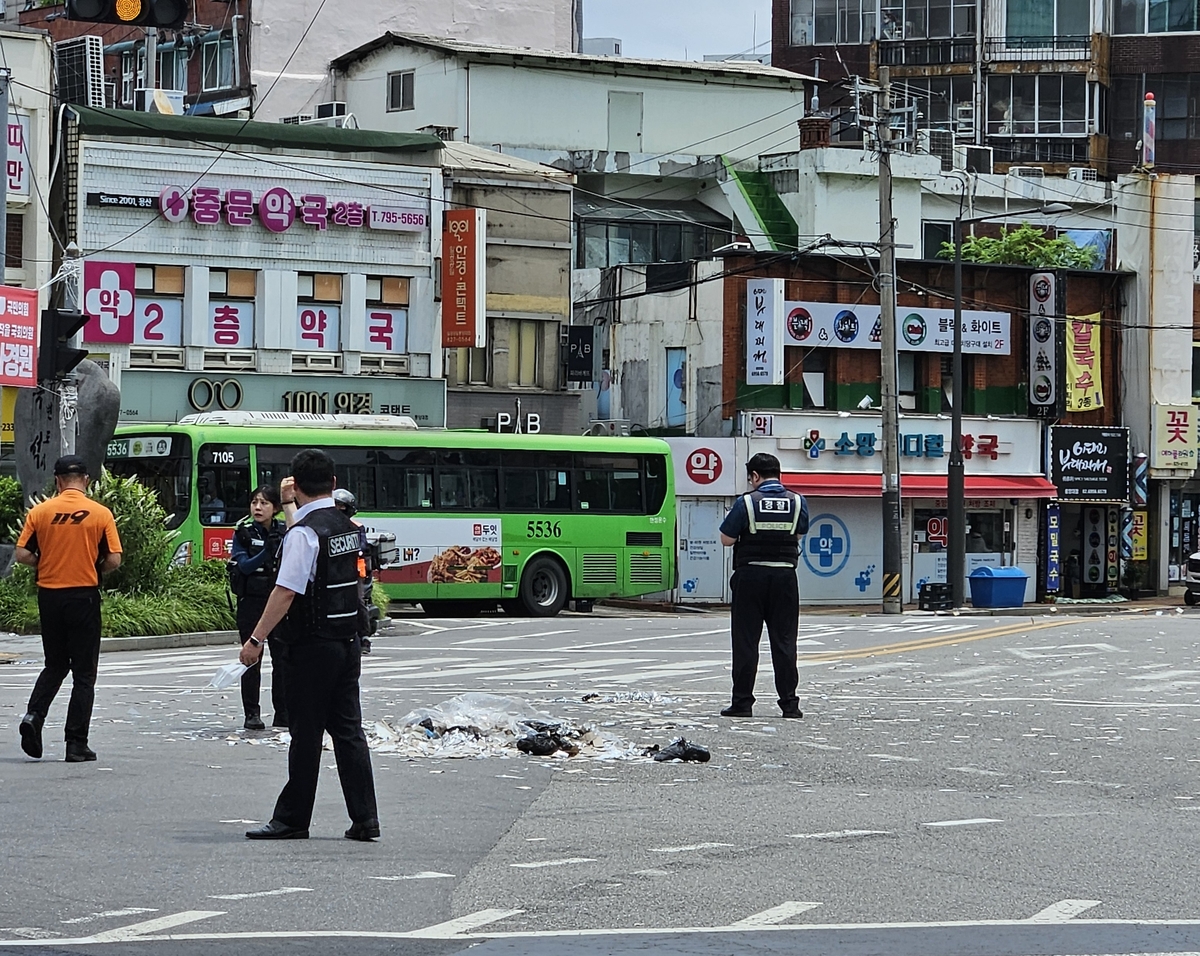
x=997 y=587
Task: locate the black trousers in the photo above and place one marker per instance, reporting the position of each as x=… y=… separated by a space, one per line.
x=249 y=610
x=323 y=695
x=769 y=595
x=71 y=641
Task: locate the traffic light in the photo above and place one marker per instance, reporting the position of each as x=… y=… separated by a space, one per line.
x=55 y=355
x=140 y=13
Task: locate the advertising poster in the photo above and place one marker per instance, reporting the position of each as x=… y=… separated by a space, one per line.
x=18 y=336
x=1174 y=437
x=1084 y=388
x=1089 y=463
x=836 y=325
x=444 y=550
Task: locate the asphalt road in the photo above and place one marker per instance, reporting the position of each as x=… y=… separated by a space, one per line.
x=957 y=785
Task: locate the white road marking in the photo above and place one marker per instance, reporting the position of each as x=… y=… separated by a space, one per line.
x=775 y=915
x=896 y=757
x=516 y=637
x=464 y=924
x=565 y=861
x=1063 y=910
x=107 y=914
x=839 y=834
x=690 y=848
x=282 y=891
x=962 y=823
x=136 y=930
x=978 y=771
x=423 y=875
x=657 y=637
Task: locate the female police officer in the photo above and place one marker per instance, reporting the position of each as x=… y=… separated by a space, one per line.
x=253 y=564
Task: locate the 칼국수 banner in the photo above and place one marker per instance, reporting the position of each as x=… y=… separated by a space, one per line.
x=1084 y=389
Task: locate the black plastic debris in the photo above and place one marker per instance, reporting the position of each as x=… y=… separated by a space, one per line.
x=540 y=745
x=680 y=749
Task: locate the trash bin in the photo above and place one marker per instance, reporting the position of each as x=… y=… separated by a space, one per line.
x=998 y=587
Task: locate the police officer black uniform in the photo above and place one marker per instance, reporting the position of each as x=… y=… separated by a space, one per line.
x=254 y=559
x=317 y=590
x=764 y=528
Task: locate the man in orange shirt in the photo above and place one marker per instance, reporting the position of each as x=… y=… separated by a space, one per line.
x=70 y=541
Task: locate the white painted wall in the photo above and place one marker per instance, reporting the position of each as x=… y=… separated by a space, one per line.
x=533 y=109
x=278 y=26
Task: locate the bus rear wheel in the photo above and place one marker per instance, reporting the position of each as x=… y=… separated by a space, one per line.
x=544 y=588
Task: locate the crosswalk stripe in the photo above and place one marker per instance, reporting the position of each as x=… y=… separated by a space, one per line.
x=775 y=915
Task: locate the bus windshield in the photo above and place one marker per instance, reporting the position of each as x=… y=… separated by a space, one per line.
x=161 y=463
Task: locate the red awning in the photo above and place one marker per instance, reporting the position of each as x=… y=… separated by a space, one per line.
x=826 y=485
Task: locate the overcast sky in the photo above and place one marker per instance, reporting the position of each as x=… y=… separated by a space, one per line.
x=680 y=29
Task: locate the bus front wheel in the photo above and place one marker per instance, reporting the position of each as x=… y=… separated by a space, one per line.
x=544 y=588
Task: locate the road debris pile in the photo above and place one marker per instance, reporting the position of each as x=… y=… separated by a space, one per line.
x=680 y=749
x=488 y=725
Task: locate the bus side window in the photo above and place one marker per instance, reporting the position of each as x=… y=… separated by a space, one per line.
x=406 y=480
x=656 y=483
x=610 y=483
x=555 y=489
x=223 y=483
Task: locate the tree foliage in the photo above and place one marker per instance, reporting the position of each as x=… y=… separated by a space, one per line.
x=1024 y=246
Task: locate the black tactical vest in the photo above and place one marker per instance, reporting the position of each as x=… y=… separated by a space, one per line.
x=328 y=609
x=771 y=539
x=258 y=584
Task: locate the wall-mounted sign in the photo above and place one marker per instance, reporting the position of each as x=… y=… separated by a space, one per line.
x=1174 y=437
x=231 y=324
x=464 y=281
x=158 y=322
x=121 y=200
x=318 y=327
x=1085 y=391
x=1139 y=533
x=764 y=332
x=1089 y=463
x=705 y=467
x=1043 y=340
x=580 y=357
x=18 y=336
x=387 y=331
x=836 y=325
x=108 y=301
x=277 y=209
x=17 y=170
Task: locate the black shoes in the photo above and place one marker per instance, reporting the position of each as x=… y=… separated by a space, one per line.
x=31 y=735
x=367 y=830
x=680 y=749
x=276 y=831
x=732 y=711
x=79 y=753
x=254 y=722
x=793 y=713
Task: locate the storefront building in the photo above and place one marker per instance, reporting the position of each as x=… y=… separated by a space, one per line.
x=257 y=267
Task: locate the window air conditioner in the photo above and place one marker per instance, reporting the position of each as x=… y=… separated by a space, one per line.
x=1027 y=172
x=297 y=119
x=975 y=159
x=326 y=110
x=939 y=143
x=1082 y=174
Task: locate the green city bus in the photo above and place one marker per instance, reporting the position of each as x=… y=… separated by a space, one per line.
x=526 y=521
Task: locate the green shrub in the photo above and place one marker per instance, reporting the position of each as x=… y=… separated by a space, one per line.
x=1024 y=246
x=380 y=599
x=12 y=508
x=141 y=524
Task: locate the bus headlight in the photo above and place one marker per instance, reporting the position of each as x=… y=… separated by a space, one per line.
x=182 y=555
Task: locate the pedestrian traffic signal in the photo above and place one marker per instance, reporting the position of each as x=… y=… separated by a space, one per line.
x=141 y=13
x=55 y=355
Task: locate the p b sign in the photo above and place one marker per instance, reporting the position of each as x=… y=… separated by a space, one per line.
x=580 y=354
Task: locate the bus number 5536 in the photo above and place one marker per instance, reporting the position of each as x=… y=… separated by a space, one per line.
x=543 y=529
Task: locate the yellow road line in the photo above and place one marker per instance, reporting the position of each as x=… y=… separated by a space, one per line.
x=923 y=644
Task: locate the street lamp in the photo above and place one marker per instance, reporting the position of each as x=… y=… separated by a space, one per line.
x=956 y=554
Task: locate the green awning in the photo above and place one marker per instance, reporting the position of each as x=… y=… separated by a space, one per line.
x=129 y=124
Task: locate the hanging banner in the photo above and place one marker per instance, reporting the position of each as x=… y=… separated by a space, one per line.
x=1053 y=548
x=764 y=332
x=464 y=284
x=18 y=336
x=1174 y=440
x=1139 y=532
x=1043 y=341
x=1085 y=391
x=836 y=325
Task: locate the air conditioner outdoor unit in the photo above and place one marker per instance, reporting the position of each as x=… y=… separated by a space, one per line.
x=444 y=133
x=937 y=142
x=79 y=66
x=976 y=159
x=333 y=108
x=1082 y=174
x=964 y=118
x=297 y=119
x=1027 y=172
x=170 y=102
x=339 y=122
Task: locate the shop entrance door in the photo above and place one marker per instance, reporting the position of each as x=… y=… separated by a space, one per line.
x=702 y=560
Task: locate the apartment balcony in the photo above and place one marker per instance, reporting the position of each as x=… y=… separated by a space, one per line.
x=1037 y=49
x=926 y=52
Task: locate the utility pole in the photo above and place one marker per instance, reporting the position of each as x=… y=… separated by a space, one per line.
x=890 y=404
x=151 y=58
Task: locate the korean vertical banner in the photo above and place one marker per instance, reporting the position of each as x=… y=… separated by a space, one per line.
x=764 y=332
x=18 y=337
x=1085 y=390
x=1043 y=340
x=464 y=282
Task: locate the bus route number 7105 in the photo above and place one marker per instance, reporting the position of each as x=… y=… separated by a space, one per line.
x=543 y=529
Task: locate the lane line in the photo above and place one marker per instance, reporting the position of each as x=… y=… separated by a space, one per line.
x=464 y=924
x=942 y=640
x=1063 y=910
x=962 y=823
x=423 y=875
x=839 y=834
x=775 y=915
x=690 y=848
x=657 y=637
x=282 y=891
x=565 y=861
x=135 y=930
x=108 y=914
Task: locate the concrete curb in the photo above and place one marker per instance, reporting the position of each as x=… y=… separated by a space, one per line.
x=159 y=642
